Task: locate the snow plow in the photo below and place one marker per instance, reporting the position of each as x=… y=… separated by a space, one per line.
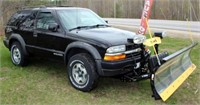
x=166 y=72
x=169 y=76
x=173 y=71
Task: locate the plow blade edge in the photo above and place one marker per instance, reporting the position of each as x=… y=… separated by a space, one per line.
x=171 y=74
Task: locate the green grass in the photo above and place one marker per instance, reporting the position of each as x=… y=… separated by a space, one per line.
x=45 y=82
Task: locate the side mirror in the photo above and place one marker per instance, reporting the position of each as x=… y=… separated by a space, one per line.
x=53 y=27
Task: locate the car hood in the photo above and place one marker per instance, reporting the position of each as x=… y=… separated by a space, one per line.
x=108 y=35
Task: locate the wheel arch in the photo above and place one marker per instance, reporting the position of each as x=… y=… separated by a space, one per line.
x=84 y=47
x=18 y=38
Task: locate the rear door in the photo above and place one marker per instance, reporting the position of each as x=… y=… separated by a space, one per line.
x=26 y=27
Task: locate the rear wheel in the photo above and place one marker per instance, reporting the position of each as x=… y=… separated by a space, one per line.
x=82 y=72
x=18 y=56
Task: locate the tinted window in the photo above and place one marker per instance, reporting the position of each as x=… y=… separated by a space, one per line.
x=28 y=22
x=44 y=19
x=18 y=17
x=13 y=18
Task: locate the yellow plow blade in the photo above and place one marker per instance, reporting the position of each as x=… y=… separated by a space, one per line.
x=171 y=74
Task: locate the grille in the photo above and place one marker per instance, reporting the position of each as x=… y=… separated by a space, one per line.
x=136 y=55
x=131 y=47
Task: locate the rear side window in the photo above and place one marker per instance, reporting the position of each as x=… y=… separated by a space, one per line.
x=28 y=22
x=18 y=17
x=14 y=17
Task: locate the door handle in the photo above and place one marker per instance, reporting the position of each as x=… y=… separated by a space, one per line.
x=35 y=35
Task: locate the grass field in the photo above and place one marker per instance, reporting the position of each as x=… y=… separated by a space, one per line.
x=45 y=82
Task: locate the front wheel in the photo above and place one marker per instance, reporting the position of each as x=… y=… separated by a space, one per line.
x=18 y=56
x=82 y=72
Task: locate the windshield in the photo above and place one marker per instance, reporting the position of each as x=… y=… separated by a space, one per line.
x=72 y=18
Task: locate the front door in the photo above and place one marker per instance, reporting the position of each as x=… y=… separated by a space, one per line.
x=45 y=38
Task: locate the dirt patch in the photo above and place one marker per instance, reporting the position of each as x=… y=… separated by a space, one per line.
x=2 y=78
x=4 y=69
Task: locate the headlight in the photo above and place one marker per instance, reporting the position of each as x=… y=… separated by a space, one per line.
x=139 y=39
x=116 y=49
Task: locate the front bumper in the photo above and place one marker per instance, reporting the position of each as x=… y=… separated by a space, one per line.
x=114 y=68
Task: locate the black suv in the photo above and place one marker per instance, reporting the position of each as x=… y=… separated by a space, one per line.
x=87 y=44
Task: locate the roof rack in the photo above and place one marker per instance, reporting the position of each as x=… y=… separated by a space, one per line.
x=64 y=6
x=42 y=6
x=29 y=7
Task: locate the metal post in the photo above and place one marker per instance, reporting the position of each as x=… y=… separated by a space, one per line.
x=190 y=10
x=1 y=18
x=58 y=2
x=114 y=8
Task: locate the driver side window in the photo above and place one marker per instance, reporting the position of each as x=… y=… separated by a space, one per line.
x=44 y=19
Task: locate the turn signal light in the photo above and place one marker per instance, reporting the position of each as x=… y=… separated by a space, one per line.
x=146 y=49
x=114 y=57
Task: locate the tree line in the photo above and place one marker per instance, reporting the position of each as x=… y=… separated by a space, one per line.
x=162 y=9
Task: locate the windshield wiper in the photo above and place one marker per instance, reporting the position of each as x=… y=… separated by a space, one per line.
x=98 y=25
x=79 y=27
x=93 y=26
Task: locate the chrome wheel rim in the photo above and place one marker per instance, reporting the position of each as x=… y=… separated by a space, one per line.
x=16 y=55
x=79 y=73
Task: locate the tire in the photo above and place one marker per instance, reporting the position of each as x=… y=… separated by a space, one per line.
x=18 y=56
x=82 y=72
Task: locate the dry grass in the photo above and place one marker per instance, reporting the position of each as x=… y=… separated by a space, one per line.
x=45 y=82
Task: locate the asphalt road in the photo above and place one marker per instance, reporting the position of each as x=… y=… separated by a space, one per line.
x=160 y=24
